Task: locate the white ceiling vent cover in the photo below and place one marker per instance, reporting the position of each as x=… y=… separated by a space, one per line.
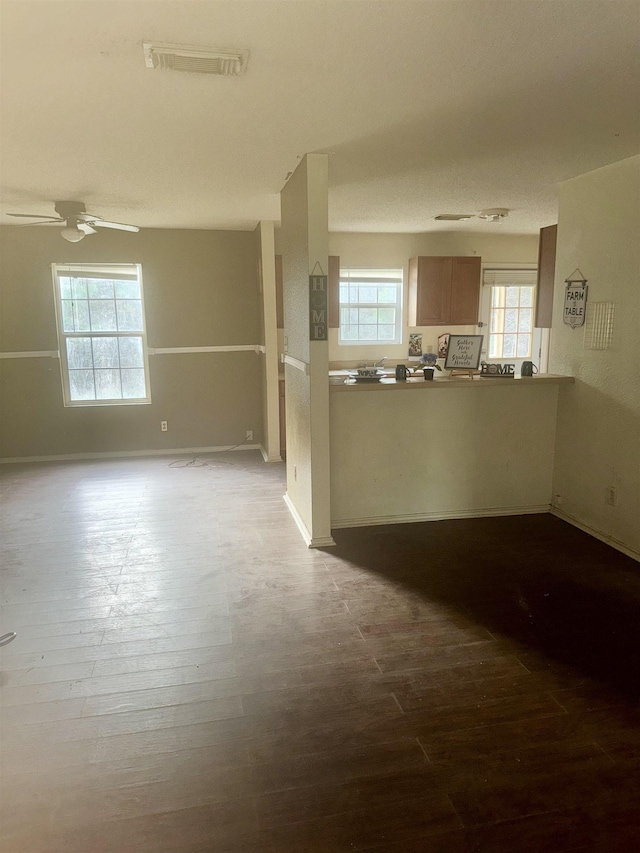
x=225 y=62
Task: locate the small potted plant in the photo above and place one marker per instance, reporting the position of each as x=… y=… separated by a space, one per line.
x=429 y=363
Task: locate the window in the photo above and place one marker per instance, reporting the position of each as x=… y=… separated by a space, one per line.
x=370 y=306
x=101 y=334
x=511 y=312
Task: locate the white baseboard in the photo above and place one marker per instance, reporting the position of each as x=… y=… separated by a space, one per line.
x=125 y=454
x=311 y=542
x=597 y=534
x=267 y=458
x=412 y=518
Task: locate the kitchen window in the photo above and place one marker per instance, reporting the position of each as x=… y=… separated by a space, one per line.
x=370 y=306
x=101 y=334
x=509 y=303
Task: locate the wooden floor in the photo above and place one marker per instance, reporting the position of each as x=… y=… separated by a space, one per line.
x=188 y=677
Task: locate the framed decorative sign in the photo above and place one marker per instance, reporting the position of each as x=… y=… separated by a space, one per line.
x=317 y=307
x=415 y=346
x=575 y=300
x=443 y=345
x=463 y=352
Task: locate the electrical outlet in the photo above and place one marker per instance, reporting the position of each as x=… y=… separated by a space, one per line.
x=164 y=426
x=610 y=495
x=249 y=435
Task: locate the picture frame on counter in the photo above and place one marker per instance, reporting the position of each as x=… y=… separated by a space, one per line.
x=464 y=352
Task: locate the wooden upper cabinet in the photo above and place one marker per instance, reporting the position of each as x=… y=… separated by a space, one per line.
x=333 y=285
x=444 y=291
x=465 y=291
x=546 y=275
x=279 y=294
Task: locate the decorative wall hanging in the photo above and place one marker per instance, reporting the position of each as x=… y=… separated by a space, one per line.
x=318 y=301
x=415 y=346
x=575 y=300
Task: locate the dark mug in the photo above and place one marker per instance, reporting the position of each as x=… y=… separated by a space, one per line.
x=402 y=372
x=528 y=368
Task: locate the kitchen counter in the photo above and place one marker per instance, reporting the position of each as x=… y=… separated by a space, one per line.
x=485 y=447
x=339 y=381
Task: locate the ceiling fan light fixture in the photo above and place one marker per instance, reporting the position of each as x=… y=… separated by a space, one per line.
x=72 y=233
x=494 y=214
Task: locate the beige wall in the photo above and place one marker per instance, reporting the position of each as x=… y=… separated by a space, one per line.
x=419 y=454
x=200 y=290
x=598 y=437
x=304 y=243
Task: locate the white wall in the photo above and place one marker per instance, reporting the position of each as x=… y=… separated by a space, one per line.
x=415 y=454
x=392 y=251
x=598 y=436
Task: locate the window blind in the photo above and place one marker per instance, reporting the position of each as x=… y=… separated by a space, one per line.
x=515 y=278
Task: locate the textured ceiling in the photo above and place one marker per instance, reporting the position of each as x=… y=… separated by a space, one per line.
x=423 y=107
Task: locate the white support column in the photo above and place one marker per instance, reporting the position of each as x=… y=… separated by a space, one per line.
x=305 y=250
x=271 y=409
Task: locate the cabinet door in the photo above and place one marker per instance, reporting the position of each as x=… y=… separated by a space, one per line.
x=429 y=291
x=546 y=275
x=465 y=291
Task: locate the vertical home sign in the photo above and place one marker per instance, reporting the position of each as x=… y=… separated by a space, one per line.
x=318 y=306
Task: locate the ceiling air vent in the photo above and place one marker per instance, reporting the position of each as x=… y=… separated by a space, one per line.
x=454 y=217
x=222 y=61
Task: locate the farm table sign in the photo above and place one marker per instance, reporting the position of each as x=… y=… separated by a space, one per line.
x=575 y=301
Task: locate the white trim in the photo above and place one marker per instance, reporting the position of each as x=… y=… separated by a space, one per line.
x=181 y=350
x=324 y=542
x=412 y=518
x=125 y=454
x=35 y=354
x=597 y=534
x=295 y=362
x=257 y=348
x=266 y=458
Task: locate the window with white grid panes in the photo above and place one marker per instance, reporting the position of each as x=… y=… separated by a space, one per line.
x=511 y=321
x=370 y=306
x=101 y=334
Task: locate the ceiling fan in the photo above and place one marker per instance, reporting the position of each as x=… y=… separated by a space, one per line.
x=77 y=222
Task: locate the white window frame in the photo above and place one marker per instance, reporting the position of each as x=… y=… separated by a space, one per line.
x=503 y=275
x=108 y=271
x=375 y=277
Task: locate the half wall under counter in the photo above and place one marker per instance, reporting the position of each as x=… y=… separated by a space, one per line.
x=402 y=452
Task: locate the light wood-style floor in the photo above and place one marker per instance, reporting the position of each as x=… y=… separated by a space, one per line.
x=188 y=677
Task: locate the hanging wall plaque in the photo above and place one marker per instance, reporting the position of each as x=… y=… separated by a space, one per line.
x=575 y=300
x=317 y=307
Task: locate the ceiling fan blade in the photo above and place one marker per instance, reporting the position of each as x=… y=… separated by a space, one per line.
x=49 y=222
x=35 y=216
x=119 y=226
x=84 y=226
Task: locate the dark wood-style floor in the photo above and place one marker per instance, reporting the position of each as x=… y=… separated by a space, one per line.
x=188 y=677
